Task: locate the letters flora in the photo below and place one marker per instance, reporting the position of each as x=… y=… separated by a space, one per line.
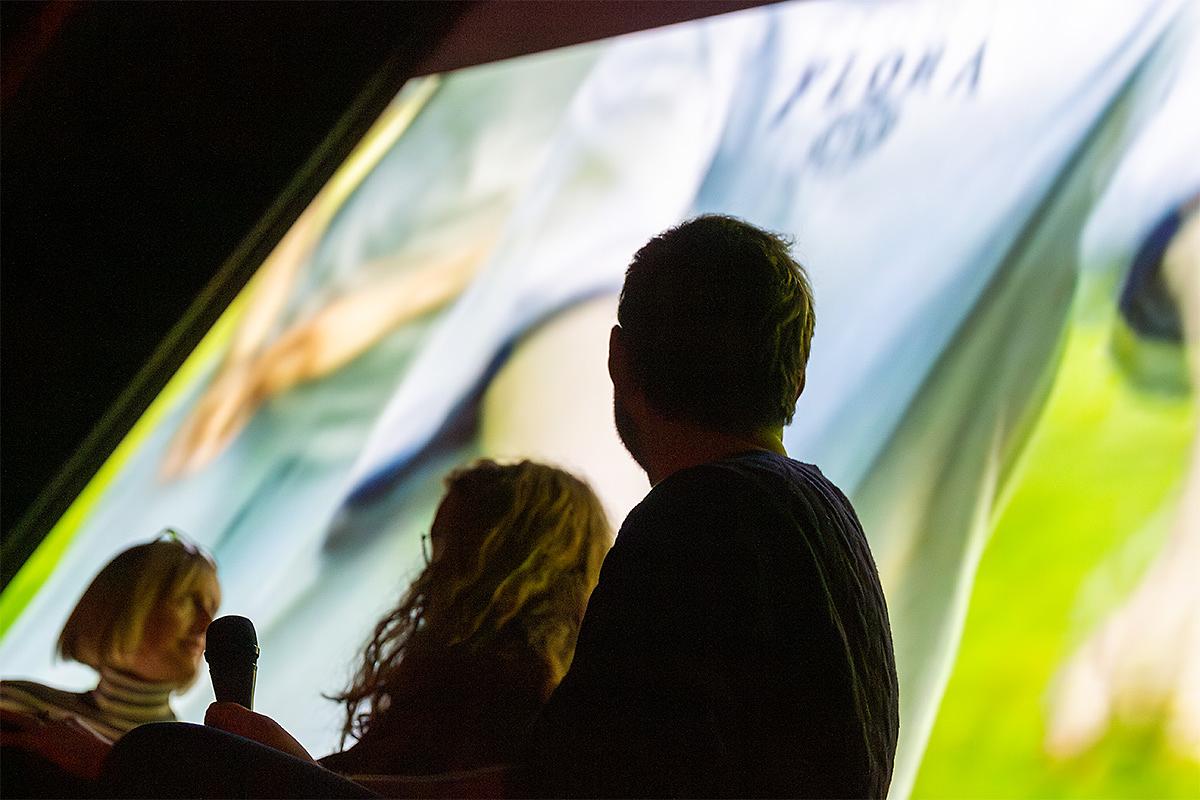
x=853 y=80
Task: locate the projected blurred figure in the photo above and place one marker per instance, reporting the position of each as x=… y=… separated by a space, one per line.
x=454 y=675
x=397 y=234
x=1144 y=660
x=140 y=625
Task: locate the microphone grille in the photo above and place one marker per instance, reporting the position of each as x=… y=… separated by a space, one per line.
x=230 y=637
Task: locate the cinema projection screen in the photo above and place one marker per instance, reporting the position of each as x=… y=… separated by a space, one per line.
x=992 y=201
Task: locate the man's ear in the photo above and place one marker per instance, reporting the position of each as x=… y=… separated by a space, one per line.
x=618 y=364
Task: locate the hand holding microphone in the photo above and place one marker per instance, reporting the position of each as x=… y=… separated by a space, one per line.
x=231 y=650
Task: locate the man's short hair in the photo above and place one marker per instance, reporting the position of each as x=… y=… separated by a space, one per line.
x=717 y=318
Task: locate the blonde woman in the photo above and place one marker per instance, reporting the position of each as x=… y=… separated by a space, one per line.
x=140 y=624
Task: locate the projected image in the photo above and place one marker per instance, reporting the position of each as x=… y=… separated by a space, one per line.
x=997 y=205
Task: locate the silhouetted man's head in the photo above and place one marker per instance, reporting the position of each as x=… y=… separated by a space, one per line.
x=715 y=322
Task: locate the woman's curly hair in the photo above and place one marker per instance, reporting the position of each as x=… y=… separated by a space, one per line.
x=518 y=549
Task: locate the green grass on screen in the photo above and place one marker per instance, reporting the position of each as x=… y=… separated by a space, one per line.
x=1089 y=512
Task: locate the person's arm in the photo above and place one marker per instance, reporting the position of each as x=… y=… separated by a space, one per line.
x=320 y=344
x=178 y=759
x=351 y=324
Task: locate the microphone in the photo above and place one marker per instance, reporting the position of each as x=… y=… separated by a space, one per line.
x=231 y=650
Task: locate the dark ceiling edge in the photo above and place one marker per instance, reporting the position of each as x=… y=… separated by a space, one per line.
x=30 y=43
x=548 y=24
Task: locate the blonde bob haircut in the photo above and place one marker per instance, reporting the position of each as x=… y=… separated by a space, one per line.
x=109 y=618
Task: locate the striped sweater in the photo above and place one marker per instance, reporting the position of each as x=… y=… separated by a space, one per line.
x=118 y=704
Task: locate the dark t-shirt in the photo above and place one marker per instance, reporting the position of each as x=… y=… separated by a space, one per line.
x=737 y=645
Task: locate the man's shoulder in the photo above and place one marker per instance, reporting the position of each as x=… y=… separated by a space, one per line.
x=750 y=478
x=751 y=489
x=704 y=495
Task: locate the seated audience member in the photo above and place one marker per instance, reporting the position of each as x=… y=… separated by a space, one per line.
x=738 y=642
x=455 y=675
x=140 y=624
x=452 y=678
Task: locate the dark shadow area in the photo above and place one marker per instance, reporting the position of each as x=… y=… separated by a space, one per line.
x=141 y=145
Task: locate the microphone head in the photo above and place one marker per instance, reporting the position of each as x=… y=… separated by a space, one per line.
x=231 y=650
x=231 y=638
